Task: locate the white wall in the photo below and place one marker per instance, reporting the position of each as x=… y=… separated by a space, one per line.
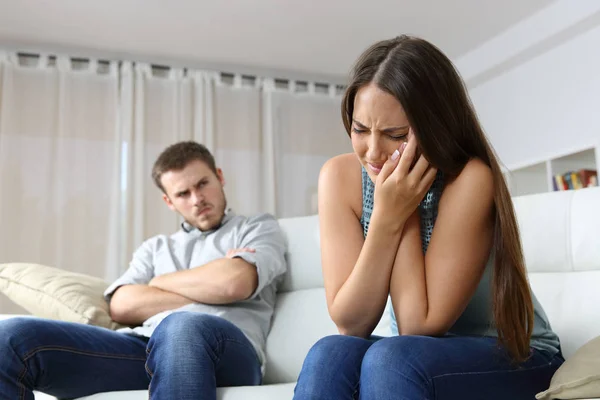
x=549 y=104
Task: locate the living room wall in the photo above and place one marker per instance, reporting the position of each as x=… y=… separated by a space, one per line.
x=545 y=100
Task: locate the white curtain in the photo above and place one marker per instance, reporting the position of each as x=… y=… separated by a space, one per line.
x=59 y=164
x=78 y=140
x=308 y=130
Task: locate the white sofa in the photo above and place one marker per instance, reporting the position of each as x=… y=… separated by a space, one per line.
x=561 y=238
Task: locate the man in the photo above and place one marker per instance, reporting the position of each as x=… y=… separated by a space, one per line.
x=199 y=302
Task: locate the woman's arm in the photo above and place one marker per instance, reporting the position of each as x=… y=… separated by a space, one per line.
x=430 y=292
x=356 y=271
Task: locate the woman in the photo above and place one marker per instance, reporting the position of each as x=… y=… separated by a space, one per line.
x=421 y=212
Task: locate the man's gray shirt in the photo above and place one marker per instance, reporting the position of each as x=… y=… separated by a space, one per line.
x=189 y=248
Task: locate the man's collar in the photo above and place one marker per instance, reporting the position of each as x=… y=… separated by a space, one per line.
x=229 y=214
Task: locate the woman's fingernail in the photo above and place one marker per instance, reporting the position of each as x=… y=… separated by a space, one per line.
x=403 y=146
x=395 y=155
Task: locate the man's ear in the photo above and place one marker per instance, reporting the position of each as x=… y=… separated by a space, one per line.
x=168 y=201
x=220 y=176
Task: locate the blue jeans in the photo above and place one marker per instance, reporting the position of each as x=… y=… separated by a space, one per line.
x=187 y=357
x=420 y=367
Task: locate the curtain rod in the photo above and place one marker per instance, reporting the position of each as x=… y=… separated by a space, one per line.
x=83 y=54
x=165 y=68
x=299 y=85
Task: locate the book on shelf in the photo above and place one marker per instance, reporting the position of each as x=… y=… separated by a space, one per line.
x=574 y=180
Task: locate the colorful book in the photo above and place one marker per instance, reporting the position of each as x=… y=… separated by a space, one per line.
x=589 y=177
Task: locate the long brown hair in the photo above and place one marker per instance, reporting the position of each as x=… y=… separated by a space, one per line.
x=445 y=124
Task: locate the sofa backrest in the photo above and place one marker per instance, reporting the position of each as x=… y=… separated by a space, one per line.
x=561 y=238
x=560 y=232
x=303 y=255
x=301 y=316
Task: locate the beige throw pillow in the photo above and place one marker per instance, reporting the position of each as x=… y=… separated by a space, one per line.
x=578 y=377
x=57 y=294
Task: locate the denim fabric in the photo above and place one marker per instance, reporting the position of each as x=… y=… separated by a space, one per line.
x=187 y=357
x=419 y=368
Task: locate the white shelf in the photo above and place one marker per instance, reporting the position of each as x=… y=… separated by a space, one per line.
x=538 y=176
x=529 y=180
x=585 y=159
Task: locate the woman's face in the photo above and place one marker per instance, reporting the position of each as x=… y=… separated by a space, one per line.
x=379 y=127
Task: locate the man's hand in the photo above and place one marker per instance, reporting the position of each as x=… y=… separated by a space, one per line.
x=231 y=253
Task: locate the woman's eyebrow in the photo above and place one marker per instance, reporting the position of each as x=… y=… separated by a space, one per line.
x=395 y=128
x=362 y=126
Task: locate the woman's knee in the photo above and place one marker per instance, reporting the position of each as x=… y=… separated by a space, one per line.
x=331 y=368
x=334 y=355
x=330 y=349
x=406 y=356
x=397 y=365
x=327 y=345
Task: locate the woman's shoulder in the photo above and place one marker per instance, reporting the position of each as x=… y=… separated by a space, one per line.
x=476 y=179
x=341 y=178
x=342 y=170
x=475 y=172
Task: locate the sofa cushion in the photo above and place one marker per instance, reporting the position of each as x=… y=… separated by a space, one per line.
x=303 y=253
x=585 y=230
x=280 y=392
x=560 y=230
x=283 y=391
x=544 y=244
x=300 y=319
x=57 y=294
x=570 y=300
x=578 y=377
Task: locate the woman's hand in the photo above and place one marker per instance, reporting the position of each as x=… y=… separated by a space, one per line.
x=398 y=188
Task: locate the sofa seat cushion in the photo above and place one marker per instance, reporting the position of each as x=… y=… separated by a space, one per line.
x=300 y=320
x=570 y=299
x=280 y=392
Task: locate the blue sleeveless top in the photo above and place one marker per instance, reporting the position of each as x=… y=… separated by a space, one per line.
x=477 y=319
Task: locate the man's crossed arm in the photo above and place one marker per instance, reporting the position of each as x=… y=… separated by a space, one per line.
x=222 y=281
x=243 y=273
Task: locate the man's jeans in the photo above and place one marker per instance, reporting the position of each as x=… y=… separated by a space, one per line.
x=420 y=368
x=188 y=356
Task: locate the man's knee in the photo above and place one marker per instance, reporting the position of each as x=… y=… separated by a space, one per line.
x=14 y=332
x=186 y=332
x=17 y=337
x=181 y=341
x=183 y=325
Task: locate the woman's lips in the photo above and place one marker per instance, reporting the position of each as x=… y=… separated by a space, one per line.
x=375 y=167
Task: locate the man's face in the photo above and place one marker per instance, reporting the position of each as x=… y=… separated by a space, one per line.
x=196 y=193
